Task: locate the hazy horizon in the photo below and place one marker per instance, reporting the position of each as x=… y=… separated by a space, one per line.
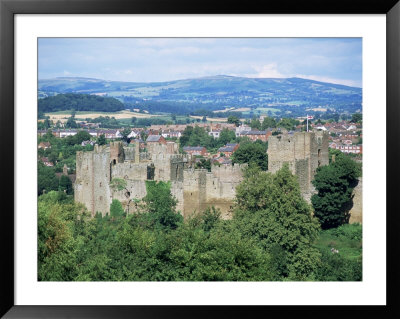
x=143 y=60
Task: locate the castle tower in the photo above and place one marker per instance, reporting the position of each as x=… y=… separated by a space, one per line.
x=117 y=154
x=92 y=180
x=304 y=152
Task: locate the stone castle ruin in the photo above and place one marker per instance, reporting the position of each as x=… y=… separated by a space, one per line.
x=304 y=152
x=195 y=189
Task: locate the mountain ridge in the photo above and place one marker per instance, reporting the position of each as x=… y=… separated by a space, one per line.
x=287 y=95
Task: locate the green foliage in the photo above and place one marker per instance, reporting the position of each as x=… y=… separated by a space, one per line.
x=335 y=183
x=234 y=120
x=59 y=221
x=101 y=140
x=118 y=184
x=226 y=136
x=356 y=118
x=66 y=185
x=341 y=253
x=78 y=138
x=160 y=206
x=116 y=209
x=125 y=132
x=47 y=180
x=71 y=123
x=251 y=153
x=288 y=123
x=204 y=163
x=267 y=123
x=79 y=102
x=255 y=124
x=271 y=210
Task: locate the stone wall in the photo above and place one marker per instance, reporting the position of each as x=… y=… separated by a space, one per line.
x=356 y=210
x=304 y=152
x=130 y=170
x=92 y=180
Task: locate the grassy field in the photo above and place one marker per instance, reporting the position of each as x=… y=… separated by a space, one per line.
x=318 y=109
x=261 y=111
x=347 y=239
x=63 y=115
x=232 y=109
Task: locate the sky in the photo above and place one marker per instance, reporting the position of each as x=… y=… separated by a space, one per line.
x=334 y=60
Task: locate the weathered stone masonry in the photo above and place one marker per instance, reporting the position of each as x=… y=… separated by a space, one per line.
x=195 y=189
x=304 y=152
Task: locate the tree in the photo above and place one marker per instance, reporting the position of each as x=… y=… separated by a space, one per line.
x=356 y=118
x=125 y=132
x=271 y=210
x=226 y=136
x=255 y=124
x=160 y=206
x=204 y=163
x=66 y=184
x=268 y=122
x=133 y=120
x=116 y=209
x=71 y=123
x=101 y=140
x=251 y=153
x=288 y=123
x=335 y=183
x=233 y=120
x=47 y=180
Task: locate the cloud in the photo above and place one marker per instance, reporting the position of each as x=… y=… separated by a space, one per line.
x=329 y=80
x=269 y=71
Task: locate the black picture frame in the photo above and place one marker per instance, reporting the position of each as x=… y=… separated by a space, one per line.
x=8 y=8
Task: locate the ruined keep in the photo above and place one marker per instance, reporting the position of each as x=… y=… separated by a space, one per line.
x=195 y=189
x=304 y=152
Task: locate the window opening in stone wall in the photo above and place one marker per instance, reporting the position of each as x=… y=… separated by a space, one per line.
x=319 y=157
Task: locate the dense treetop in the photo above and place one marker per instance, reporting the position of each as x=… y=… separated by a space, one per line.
x=79 y=102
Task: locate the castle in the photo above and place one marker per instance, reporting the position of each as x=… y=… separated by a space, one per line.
x=304 y=152
x=195 y=189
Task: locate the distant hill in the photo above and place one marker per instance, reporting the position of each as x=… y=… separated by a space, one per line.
x=216 y=92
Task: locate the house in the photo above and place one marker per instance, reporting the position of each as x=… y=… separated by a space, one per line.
x=214 y=133
x=354 y=149
x=195 y=150
x=228 y=149
x=93 y=133
x=107 y=133
x=44 y=145
x=257 y=135
x=84 y=143
x=142 y=144
x=46 y=162
x=156 y=139
x=170 y=134
x=66 y=133
x=133 y=134
x=242 y=128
